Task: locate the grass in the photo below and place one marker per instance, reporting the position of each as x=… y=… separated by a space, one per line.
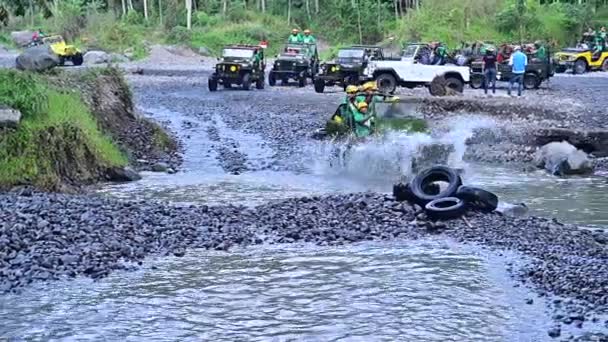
x=56 y=136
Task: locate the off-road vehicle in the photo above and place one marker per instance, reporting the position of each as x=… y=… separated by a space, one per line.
x=239 y=65
x=581 y=59
x=64 y=51
x=348 y=67
x=298 y=62
x=537 y=71
x=410 y=72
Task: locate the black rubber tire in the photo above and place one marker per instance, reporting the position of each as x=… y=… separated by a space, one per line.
x=285 y=81
x=302 y=81
x=77 y=59
x=560 y=69
x=387 y=83
x=246 y=83
x=421 y=182
x=259 y=84
x=531 y=81
x=272 y=80
x=580 y=67
x=445 y=208
x=319 y=86
x=478 y=199
x=605 y=65
x=61 y=61
x=454 y=84
x=477 y=81
x=212 y=84
x=402 y=192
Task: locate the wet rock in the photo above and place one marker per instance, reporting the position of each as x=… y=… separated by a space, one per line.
x=512 y=210
x=9 y=117
x=529 y=301
x=561 y=158
x=554 y=332
x=122 y=174
x=203 y=51
x=160 y=167
x=22 y=38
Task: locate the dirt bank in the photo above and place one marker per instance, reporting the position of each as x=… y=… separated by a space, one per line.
x=78 y=128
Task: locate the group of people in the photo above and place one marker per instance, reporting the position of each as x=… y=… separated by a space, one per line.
x=435 y=53
x=518 y=62
x=358 y=110
x=298 y=38
x=594 y=40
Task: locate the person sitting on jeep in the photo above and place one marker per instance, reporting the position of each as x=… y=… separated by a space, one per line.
x=350 y=105
x=540 y=52
x=295 y=37
x=308 y=37
x=440 y=54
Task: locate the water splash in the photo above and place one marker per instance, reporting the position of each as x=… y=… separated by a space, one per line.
x=397 y=155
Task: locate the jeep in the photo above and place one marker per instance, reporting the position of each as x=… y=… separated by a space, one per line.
x=298 y=62
x=348 y=67
x=241 y=65
x=581 y=59
x=64 y=51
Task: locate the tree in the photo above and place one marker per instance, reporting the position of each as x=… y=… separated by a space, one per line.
x=189 y=14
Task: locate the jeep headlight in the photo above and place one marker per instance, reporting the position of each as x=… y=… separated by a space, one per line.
x=233 y=68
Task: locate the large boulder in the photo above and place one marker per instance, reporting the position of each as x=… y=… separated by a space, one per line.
x=118 y=58
x=22 y=38
x=9 y=117
x=561 y=158
x=122 y=174
x=37 y=58
x=96 y=57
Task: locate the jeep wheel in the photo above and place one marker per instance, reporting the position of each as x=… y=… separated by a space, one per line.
x=454 y=83
x=246 y=83
x=272 y=81
x=531 y=81
x=560 y=69
x=61 y=61
x=605 y=65
x=476 y=81
x=386 y=83
x=212 y=84
x=319 y=85
x=77 y=59
x=259 y=84
x=302 y=81
x=285 y=81
x=580 y=66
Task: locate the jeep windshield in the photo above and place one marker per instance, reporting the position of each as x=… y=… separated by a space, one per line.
x=237 y=53
x=410 y=51
x=351 y=54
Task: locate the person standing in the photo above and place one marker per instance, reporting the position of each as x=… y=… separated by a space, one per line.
x=518 y=63
x=308 y=37
x=489 y=70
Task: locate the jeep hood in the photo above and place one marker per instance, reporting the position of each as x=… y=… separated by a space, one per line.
x=570 y=51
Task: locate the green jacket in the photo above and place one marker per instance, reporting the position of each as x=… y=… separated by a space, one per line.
x=309 y=39
x=295 y=38
x=362 y=124
x=541 y=53
x=442 y=51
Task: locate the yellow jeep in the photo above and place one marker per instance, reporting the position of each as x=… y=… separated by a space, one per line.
x=580 y=61
x=64 y=51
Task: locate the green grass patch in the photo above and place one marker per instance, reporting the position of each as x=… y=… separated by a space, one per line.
x=412 y=125
x=60 y=142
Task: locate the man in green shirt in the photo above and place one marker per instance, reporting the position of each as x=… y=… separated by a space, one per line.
x=362 y=120
x=541 y=51
x=295 y=37
x=308 y=37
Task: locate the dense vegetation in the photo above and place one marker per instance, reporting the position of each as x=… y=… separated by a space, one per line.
x=122 y=24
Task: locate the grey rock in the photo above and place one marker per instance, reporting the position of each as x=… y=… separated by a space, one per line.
x=120 y=174
x=96 y=57
x=554 y=332
x=37 y=58
x=512 y=210
x=22 y=38
x=118 y=58
x=561 y=158
x=9 y=117
x=203 y=51
x=160 y=167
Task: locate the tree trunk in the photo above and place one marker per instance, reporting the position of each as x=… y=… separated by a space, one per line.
x=263 y=5
x=130 y=5
x=189 y=14
x=224 y=7
x=124 y=8
x=308 y=10
x=146 y=10
x=359 y=24
x=160 y=12
x=316 y=6
x=396 y=9
x=288 y=12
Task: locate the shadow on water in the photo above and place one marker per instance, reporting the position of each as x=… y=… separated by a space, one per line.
x=406 y=291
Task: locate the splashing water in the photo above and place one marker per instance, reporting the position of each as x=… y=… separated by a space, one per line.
x=396 y=154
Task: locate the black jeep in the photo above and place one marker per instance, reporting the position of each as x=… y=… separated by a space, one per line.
x=297 y=62
x=537 y=70
x=241 y=65
x=348 y=67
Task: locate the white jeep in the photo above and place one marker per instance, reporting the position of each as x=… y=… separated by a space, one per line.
x=410 y=72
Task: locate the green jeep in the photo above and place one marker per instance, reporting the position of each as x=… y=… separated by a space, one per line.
x=241 y=65
x=298 y=62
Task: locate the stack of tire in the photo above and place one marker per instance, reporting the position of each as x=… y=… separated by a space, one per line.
x=448 y=202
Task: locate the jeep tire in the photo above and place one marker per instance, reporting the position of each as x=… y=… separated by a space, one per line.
x=77 y=59
x=246 y=82
x=259 y=84
x=272 y=80
x=477 y=81
x=302 y=81
x=580 y=67
x=386 y=83
x=531 y=81
x=212 y=84
x=454 y=84
x=319 y=86
x=605 y=64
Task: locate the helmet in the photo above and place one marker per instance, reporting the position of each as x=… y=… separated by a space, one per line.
x=361 y=105
x=370 y=86
x=295 y=30
x=307 y=31
x=351 y=89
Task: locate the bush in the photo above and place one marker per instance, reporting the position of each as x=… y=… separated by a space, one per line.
x=134 y=18
x=23 y=91
x=180 y=34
